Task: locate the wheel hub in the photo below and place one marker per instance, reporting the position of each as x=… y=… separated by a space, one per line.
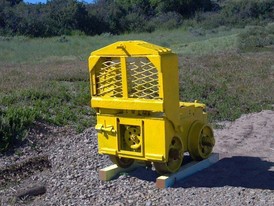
x=133 y=137
x=201 y=141
x=175 y=158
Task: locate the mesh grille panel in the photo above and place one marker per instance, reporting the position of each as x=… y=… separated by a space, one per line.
x=109 y=79
x=142 y=79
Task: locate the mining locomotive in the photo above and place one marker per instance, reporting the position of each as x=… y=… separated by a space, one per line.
x=135 y=92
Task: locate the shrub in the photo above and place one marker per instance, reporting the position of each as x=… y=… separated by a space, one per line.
x=256 y=36
x=14 y=123
x=270 y=28
x=239 y=12
x=169 y=20
x=135 y=22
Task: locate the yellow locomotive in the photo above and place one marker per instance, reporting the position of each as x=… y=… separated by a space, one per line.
x=135 y=92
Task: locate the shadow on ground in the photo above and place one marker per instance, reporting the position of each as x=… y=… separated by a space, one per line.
x=236 y=171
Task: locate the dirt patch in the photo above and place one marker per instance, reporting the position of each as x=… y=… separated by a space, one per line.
x=15 y=173
x=250 y=135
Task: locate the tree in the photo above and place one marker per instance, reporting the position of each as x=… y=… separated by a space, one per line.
x=67 y=15
x=186 y=8
x=14 y=2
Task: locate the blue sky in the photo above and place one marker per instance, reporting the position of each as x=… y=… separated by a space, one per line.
x=44 y=1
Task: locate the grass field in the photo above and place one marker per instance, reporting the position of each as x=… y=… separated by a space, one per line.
x=20 y=50
x=49 y=77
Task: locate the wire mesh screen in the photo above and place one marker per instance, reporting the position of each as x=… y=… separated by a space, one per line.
x=142 y=79
x=109 y=79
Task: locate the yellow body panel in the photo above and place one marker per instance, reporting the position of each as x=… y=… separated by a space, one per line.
x=128 y=104
x=153 y=135
x=135 y=91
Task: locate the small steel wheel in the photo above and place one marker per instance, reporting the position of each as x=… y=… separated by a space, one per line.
x=200 y=141
x=121 y=161
x=175 y=158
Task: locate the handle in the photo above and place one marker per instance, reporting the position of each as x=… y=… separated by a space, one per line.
x=108 y=129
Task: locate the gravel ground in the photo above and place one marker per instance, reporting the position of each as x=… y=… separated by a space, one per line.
x=242 y=177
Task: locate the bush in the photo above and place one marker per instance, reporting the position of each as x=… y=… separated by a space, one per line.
x=237 y=13
x=135 y=22
x=240 y=12
x=256 y=37
x=169 y=20
x=270 y=28
x=14 y=123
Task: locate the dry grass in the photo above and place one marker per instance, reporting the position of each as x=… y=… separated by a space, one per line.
x=230 y=83
x=19 y=77
x=58 y=92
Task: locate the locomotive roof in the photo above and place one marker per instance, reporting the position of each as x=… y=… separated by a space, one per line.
x=131 y=48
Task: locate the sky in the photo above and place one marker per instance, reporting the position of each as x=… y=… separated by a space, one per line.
x=44 y=1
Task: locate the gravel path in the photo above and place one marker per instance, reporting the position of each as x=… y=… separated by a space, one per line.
x=245 y=176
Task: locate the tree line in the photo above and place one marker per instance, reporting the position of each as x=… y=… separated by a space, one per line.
x=58 y=17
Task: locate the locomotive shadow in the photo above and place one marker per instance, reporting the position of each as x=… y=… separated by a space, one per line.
x=150 y=175
x=236 y=171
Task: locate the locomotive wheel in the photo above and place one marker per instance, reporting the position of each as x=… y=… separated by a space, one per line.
x=121 y=161
x=175 y=158
x=200 y=141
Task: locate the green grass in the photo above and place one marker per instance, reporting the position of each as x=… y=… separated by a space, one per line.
x=203 y=47
x=59 y=91
x=21 y=50
x=49 y=77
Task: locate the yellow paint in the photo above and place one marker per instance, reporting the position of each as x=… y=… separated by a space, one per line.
x=135 y=91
